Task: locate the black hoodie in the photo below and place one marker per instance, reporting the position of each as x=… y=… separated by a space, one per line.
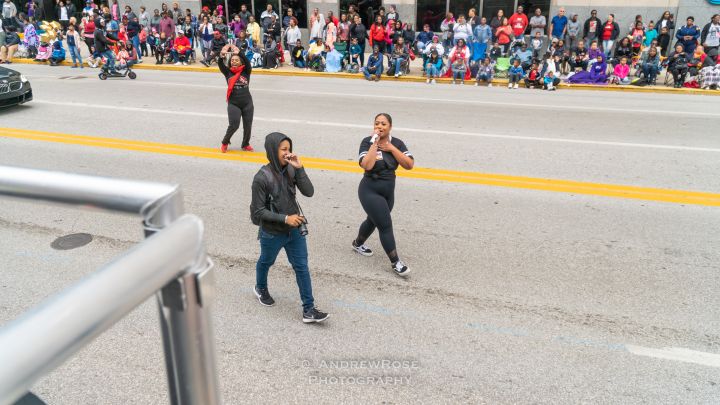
x=285 y=179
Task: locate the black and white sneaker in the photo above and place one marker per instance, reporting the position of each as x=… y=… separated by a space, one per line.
x=314 y=315
x=400 y=268
x=263 y=295
x=362 y=249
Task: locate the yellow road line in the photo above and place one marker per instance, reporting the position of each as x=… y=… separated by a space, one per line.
x=452 y=176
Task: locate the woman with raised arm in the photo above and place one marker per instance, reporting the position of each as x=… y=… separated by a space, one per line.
x=240 y=102
x=380 y=156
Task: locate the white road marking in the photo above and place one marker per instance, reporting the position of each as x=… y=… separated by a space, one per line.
x=401 y=129
x=677 y=354
x=417 y=99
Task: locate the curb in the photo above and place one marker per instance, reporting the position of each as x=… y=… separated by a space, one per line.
x=412 y=79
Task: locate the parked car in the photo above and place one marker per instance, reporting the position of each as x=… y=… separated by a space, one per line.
x=14 y=88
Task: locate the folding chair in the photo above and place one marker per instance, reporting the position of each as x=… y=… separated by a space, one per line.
x=502 y=66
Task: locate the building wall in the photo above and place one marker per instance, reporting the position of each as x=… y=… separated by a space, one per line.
x=625 y=11
x=406 y=8
x=150 y=5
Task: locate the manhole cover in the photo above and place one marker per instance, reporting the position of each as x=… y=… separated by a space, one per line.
x=72 y=241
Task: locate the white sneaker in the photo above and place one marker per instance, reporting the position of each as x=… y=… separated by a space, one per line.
x=400 y=268
x=516 y=85
x=489 y=84
x=476 y=84
x=509 y=85
x=178 y=63
x=427 y=81
x=362 y=249
x=433 y=81
x=397 y=75
x=184 y=63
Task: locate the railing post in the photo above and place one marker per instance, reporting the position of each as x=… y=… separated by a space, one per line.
x=187 y=335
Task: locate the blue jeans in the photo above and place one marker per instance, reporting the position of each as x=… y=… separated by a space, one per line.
x=607 y=47
x=110 y=58
x=136 y=44
x=377 y=72
x=650 y=71
x=432 y=71
x=75 y=54
x=296 y=250
x=398 y=65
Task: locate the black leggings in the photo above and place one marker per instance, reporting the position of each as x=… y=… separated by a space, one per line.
x=235 y=113
x=377 y=198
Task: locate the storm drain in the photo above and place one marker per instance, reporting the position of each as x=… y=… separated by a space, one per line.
x=72 y=241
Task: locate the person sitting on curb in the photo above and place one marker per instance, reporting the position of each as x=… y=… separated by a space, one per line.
x=550 y=82
x=533 y=78
x=433 y=66
x=485 y=72
x=398 y=57
x=515 y=74
x=297 y=58
x=374 y=67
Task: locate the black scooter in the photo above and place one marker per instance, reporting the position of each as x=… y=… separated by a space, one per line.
x=127 y=72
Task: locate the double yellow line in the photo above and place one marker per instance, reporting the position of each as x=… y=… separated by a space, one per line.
x=451 y=176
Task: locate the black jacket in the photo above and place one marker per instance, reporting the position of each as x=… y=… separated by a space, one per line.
x=358 y=31
x=598 y=27
x=218 y=44
x=102 y=43
x=271 y=217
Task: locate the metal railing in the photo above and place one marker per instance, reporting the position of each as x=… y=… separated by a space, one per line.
x=171 y=263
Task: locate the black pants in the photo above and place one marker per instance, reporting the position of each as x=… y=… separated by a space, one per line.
x=679 y=75
x=377 y=198
x=235 y=113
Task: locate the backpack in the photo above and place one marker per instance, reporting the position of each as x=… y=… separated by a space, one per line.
x=275 y=193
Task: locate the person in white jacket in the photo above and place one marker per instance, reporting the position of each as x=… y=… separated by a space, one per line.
x=462 y=30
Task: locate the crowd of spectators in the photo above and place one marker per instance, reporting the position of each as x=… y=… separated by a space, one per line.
x=538 y=51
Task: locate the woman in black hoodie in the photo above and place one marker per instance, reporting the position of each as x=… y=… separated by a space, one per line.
x=275 y=209
x=240 y=102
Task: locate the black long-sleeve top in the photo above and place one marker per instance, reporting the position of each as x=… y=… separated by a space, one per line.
x=240 y=94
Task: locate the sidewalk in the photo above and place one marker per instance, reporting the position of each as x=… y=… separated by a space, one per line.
x=414 y=76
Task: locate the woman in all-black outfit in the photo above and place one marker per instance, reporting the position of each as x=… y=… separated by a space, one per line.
x=380 y=156
x=240 y=103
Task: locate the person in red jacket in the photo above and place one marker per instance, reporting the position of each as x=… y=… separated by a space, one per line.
x=377 y=34
x=181 y=49
x=519 y=23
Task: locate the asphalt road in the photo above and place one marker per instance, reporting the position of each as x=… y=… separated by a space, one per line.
x=516 y=295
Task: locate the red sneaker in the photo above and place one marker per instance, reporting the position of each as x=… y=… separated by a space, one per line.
x=223 y=148
x=249 y=149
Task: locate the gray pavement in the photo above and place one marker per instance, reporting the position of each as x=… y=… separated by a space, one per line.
x=516 y=295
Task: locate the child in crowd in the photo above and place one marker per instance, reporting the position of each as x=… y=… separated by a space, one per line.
x=297 y=58
x=458 y=69
x=355 y=51
x=495 y=52
x=433 y=66
x=550 y=82
x=152 y=41
x=664 y=41
x=515 y=74
x=621 y=72
x=486 y=72
x=638 y=36
x=650 y=34
x=143 y=42
x=536 y=44
x=58 y=52
x=533 y=77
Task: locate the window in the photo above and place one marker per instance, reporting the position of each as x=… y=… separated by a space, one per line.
x=491 y=8
x=530 y=7
x=367 y=9
x=299 y=8
x=430 y=12
x=234 y=6
x=458 y=7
